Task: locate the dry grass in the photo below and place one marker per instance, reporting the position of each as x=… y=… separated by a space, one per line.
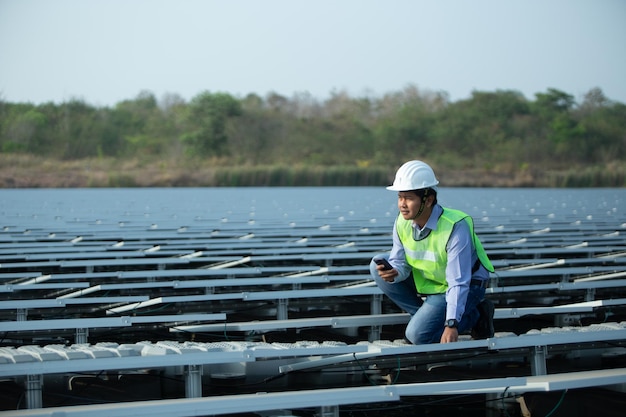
x=25 y=171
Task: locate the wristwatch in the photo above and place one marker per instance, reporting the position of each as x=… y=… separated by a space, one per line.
x=452 y=323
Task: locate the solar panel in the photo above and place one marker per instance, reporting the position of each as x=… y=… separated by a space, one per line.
x=284 y=271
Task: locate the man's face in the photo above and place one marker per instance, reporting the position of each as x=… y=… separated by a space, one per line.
x=409 y=204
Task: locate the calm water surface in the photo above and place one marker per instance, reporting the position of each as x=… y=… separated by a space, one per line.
x=181 y=206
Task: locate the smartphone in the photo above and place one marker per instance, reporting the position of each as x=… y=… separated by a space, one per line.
x=384 y=262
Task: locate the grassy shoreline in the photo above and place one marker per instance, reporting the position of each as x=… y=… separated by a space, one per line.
x=24 y=171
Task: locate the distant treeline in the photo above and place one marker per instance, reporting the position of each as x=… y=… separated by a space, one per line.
x=491 y=132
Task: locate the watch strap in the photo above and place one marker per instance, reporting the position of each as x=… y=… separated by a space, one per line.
x=453 y=323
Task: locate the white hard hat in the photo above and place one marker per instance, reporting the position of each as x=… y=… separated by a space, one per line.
x=414 y=175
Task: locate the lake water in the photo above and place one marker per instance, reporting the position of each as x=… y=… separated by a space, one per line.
x=29 y=208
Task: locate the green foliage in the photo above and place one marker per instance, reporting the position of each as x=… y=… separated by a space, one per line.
x=208 y=117
x=276 y=140
x=23 y=129
x=407 y=124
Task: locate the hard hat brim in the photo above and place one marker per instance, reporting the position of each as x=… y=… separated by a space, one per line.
x=395 y=188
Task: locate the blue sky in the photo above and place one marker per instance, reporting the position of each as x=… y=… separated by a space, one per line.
x=106 y=51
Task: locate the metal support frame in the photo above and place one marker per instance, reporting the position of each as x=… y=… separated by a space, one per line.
x=328 y=411
x=34 y=384
x=375 y=308
x=282 y=309
x=193 y=381
x=567 y=320
x=376 y=304
x=81 y=335
x=538 y=360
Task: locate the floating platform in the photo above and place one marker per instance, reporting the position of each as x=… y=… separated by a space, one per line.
x=132 y=315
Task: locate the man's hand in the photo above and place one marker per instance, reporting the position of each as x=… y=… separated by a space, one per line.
x=450 y=334
x=388 y=275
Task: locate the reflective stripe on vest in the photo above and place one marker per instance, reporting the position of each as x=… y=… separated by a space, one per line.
x=428 y=257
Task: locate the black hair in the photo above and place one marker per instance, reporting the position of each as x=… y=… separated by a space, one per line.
x=423 y=192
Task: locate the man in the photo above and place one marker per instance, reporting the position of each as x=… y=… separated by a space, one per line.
x=437 y=269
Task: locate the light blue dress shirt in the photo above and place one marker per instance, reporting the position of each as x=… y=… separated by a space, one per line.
x=461 y=257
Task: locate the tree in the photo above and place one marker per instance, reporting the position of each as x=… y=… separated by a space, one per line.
x=604 y=126
x=23 y=129
x=554 y=101
x=253 y=137
x=561 y=131
x=208 y=118
x=141 y=124
x=404 y=124
x=593 y=100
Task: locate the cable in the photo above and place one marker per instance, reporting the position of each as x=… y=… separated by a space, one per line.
x=503 y=404
x=363 y=369
x=395 y=379
x=558 y=404
x=84 y=387
x=398 y=373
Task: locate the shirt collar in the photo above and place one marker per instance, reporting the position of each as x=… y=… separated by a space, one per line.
x=431 y=224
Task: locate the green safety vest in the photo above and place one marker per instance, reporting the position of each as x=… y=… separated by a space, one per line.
x=428 y=257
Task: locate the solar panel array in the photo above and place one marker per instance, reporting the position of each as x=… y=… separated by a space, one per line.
x=270 y=291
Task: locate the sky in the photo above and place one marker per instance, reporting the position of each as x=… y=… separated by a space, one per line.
x=107 y=51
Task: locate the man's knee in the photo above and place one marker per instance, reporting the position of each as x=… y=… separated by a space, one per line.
x=373 y=270
x=418 y=338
